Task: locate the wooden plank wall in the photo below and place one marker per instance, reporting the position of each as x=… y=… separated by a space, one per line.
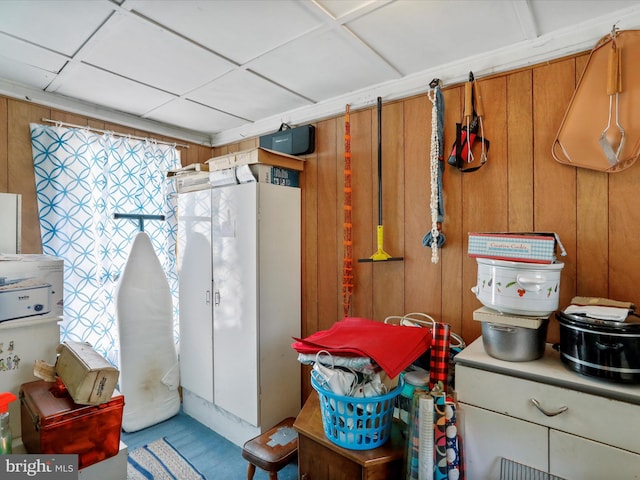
x=16 y=159
x=520 y=188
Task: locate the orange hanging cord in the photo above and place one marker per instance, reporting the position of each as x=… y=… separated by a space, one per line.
x=347 y=263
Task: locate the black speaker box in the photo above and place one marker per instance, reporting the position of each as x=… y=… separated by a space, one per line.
x=292 y=141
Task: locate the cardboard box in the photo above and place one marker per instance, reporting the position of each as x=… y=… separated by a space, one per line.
x=485 y=314
x=53 y=423
x=530 y=247
x=226 y=176
x=31 y=285
x=191 y=168
x=268 y=174
x=191 y=182
x=256 y=155
x=24 y=342
x=88 y=376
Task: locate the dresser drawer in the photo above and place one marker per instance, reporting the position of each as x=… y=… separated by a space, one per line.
x=598 y=418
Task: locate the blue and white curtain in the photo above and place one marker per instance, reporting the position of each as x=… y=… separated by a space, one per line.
x=83 y=178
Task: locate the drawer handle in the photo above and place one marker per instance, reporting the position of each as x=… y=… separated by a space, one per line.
x=549 y=413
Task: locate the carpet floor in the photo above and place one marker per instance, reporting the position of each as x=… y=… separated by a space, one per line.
x=213 y=455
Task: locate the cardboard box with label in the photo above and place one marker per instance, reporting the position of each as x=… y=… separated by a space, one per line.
x=88 y=376
x=31 y=285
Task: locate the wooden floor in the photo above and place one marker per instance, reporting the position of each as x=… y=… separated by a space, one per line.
x=214 y=456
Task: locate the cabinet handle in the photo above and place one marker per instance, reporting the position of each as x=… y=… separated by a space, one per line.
x=216 y=297
x=207 y=297
x=549 y=413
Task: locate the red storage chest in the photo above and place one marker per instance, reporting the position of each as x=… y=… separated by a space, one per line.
x=52 y=423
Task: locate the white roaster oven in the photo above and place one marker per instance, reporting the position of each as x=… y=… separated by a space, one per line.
x=30 y=285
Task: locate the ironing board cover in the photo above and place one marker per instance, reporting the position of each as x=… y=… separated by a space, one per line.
x=578 y=140
x=393 y=347
x=149 y=373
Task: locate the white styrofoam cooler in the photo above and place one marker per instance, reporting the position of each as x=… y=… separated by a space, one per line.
x=31 y=285
x=22 y=342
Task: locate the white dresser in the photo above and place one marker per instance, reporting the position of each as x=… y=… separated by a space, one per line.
x=582 y=429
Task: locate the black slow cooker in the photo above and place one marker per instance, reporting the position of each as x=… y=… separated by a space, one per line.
x=604 y=349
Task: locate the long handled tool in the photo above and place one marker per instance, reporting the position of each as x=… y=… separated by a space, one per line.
x=380 y=254
x=614 y=88
x=347 y=260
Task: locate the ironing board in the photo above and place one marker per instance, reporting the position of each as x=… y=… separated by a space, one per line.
x=578 y=142
x=149 y=373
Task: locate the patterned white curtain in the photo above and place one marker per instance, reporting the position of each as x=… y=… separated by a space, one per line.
x=83 y=178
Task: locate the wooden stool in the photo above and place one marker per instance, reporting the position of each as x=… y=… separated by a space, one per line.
x=269 y=450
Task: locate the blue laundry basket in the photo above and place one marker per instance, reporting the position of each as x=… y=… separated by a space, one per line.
x=356 y=423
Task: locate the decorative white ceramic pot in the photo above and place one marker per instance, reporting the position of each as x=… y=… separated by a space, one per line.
x=517 y=287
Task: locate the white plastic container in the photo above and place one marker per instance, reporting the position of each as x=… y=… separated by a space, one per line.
x=518 y=287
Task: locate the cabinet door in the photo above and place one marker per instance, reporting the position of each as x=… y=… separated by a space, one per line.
x=195 y=287
x=577 y=458
x=317 y=462
x=489 y=436
x=235 y=272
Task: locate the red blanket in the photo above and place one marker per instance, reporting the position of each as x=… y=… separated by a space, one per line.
x=393 y=347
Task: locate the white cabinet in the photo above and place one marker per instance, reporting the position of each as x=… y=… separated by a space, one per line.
x=583 y=435
x=239 y=260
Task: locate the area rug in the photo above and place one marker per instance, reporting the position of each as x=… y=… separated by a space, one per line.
x=160 y=460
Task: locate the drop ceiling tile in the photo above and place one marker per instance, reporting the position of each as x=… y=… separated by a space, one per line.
x=247 y=95
x=238 y=30
x=61 y=26
x=24 y=74
x=322 y=65
x=416 y=36
x=149 y=54
x=341 y=8
x=23 y=52
x=564 y=12
x=103 y=88
x=191 y=115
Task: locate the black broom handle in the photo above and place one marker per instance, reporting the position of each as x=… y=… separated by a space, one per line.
x=379 y=160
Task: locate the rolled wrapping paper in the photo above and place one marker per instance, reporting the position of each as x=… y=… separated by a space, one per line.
x=439 y=363
x=451 y=434
x=425 y=454
x=412 y=451
x=440 y=471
